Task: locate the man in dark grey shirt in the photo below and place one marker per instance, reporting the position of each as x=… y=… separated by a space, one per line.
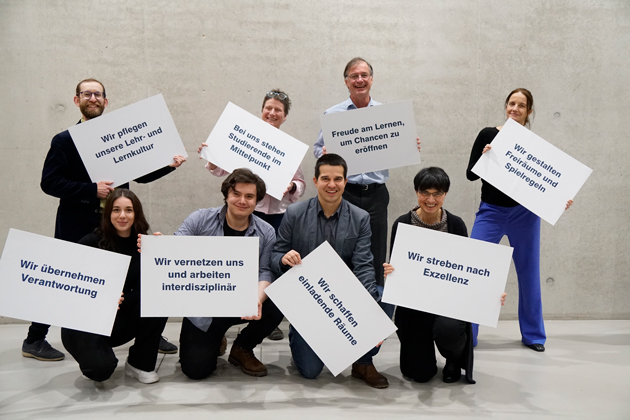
x=328 y=217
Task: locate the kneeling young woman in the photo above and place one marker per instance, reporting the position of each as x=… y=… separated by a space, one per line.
x=123 y=219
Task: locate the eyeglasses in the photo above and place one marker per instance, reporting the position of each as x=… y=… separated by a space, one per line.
x=438 y=194
x=356 y=76
x=86 y=94
x=271 y=94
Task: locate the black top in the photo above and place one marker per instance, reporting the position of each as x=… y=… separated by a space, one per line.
x=489 y=194
x=228 y=231
x=125 y=246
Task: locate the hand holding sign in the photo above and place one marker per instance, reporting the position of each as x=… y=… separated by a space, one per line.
x=177 y=161
x=103 y=188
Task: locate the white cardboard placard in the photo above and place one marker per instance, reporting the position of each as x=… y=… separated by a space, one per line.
x=128 y=143
x=242 y=140
x=448 y=275
x=60 y=283
x=199 y=276
x=532 y=171
x=330 y=308
x=373 y=138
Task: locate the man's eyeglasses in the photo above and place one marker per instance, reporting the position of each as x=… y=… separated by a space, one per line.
x=355 y=76
x=438 y=194
x=271 y=94
x=86 y=94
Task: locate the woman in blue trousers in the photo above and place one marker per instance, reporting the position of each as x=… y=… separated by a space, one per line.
x=499 y=215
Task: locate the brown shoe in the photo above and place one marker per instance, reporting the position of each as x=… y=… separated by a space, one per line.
x=223 y=346
x=246 y=360
x=369 y=375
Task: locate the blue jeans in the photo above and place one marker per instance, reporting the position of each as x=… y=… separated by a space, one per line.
x=309 y=364
x=522 y=228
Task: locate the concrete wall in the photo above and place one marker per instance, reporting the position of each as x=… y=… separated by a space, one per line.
x=457 y=60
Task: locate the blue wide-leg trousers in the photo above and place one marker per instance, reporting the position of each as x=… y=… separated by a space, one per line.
x=522 y=228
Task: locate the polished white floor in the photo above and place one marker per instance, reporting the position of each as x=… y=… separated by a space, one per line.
x=584 y=374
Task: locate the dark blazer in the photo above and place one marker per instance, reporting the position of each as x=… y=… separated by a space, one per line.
x=454 y=225
x=298 y=231
x=64 y=176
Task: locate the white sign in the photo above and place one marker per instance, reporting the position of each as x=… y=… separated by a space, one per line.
x=373 y=138
x=330 y=308
x=448 y=275
x=242 y=140
x=61 y=283
x=130 y=142
x=532 y=171
x=198 y=276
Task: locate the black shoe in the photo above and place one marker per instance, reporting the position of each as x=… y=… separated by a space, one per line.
x=276 y=335
x=451 y=373
x=536 y=347
x=41 y=350
x=165 y=347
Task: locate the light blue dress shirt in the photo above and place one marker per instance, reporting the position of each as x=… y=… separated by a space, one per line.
x=378 y=177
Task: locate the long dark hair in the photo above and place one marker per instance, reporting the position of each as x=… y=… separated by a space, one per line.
x=108 y=232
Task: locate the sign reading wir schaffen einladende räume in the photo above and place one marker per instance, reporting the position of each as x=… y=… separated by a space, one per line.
x=330 y=308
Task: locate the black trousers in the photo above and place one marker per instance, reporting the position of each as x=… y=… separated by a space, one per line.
x=374 y=200
x=95 y=353
x=417 y=331
x=37 y=332
x=199 y=350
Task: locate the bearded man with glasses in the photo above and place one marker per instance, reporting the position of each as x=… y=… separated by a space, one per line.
x=64 y=176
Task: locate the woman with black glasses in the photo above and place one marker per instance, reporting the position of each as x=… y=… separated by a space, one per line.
x=417 y=330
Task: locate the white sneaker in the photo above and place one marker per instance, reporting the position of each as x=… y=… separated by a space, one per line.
x=141 y=375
